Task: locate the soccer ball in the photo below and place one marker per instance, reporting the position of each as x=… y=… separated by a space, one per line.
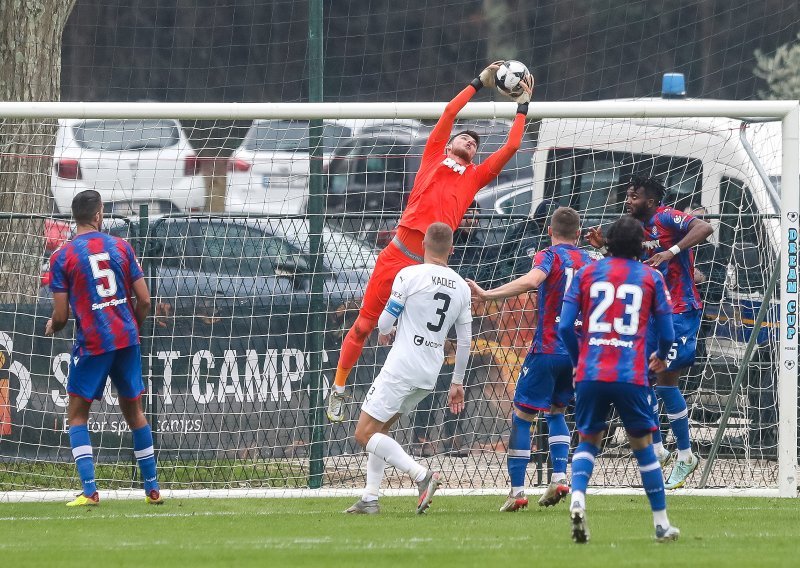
x=509 y=76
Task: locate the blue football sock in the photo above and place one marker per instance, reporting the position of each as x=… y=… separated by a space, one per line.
x=652 y=478
x=519 y=450
x=678 y=415
x=583 y=465
x=145 y=457
x=654 y=403
x=559 y=443
x=82 y=453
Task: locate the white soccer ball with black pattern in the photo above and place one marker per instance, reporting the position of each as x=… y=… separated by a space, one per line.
x=509 y=77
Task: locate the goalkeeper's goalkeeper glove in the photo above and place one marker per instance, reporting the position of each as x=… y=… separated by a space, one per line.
x=524 y=97
x=527 y=91
x=487 y=76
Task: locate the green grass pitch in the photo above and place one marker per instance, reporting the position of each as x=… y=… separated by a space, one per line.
x=457 y=531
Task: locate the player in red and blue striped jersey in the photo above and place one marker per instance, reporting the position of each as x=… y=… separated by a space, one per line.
x=98 y=277
x=618 y=299
x=669 y=236
x=545 y=382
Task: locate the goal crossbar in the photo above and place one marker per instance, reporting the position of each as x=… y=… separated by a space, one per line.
x=646 y=108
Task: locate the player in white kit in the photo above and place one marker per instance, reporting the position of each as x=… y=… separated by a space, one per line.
x=426 y=301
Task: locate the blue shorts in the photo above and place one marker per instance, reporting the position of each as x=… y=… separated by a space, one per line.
x=682 y=354
x=544 y=381
x=88 y=374
x=593 y=400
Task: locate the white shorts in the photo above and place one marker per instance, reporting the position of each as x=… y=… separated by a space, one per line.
x=390 y=395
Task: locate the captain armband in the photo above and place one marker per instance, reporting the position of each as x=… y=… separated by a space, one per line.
x=394 y=307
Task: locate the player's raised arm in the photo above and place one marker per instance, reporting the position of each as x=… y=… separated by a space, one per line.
x=441 y=132
x=524 y=283
x=493 y=165
x=696 y=232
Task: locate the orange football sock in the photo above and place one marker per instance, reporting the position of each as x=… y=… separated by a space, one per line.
x=352 y=346
x=341 y=376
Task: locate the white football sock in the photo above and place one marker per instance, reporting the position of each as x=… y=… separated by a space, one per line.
x=660 y=519
x=375 y=469
x=685 y=455
x=658 y=447
x=578 y=498
x=392 y=453
x=337 y=389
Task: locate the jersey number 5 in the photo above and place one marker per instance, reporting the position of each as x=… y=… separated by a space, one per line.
x=441 y=312
x=106 y=273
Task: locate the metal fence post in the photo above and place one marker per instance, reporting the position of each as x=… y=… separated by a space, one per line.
x=315 y=212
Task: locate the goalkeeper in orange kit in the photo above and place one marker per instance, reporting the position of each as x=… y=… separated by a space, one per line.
x=444 y=188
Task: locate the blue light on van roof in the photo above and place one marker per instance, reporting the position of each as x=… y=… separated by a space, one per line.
x=673 y=86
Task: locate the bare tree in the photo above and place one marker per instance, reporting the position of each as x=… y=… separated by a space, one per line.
x=30 y=70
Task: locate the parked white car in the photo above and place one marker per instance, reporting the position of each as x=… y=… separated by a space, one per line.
x=129 y=162
x=268 y=173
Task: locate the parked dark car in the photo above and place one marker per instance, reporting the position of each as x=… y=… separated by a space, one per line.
x=374 y=170
x=214 y=265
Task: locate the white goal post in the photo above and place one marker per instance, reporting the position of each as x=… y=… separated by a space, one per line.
x=772 y=472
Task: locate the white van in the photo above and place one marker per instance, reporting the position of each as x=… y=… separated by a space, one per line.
x=706 y=167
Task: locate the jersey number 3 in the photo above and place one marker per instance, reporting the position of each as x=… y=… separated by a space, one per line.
x=441 y=312
x=98 y=273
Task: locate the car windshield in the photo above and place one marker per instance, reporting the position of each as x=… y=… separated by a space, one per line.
x=121 y=135
x=238 y=250
x=594 y=181
x=343 y=252
x=290 y=136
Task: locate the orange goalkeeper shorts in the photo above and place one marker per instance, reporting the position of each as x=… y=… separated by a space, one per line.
x=390 y=261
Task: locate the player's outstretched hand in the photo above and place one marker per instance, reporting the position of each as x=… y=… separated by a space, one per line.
x=527 y=91
x=595 y=237
x=658 y=258
x=48 y=328
x=657 y=365
x=488 y=74
x=477 y=291
x=455 y=399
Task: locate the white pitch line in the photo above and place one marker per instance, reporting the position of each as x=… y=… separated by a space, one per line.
x=90 y=515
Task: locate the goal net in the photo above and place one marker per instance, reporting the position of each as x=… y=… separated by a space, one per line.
x=257 y=261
